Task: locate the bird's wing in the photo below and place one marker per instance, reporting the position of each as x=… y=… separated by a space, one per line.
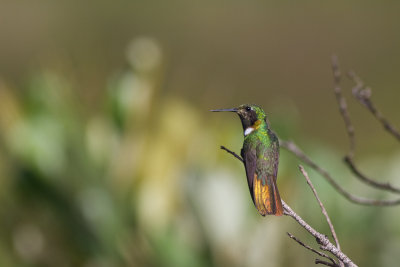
x=250 y=161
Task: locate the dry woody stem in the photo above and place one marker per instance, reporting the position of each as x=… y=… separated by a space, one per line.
x=362 y=94
x=342 y=104
x=305 y=174
x=322 y=240
x=319 y=253
x=293 y=148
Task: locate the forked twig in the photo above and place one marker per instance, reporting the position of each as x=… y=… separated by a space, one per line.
x=301 y=243
x=380 y=185
x=318 y=261
x=363 y=95
x=290 y=146
x=322 y=240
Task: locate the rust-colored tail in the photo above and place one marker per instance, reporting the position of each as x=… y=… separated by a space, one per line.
x=266 y=197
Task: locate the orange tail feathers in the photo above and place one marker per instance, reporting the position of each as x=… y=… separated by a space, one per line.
x=266 y=197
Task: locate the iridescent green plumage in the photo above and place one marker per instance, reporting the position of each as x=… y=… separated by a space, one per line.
x=260 y=155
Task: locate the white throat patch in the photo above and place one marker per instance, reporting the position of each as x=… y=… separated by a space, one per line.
x=248 y=131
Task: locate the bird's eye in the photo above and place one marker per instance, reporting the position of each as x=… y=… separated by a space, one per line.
x=248 y=108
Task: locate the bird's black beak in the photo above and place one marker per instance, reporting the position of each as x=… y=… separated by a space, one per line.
x=227 y=109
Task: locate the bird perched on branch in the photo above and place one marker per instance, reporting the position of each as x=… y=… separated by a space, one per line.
x=260 y=154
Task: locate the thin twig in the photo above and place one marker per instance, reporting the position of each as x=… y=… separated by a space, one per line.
x=363 y=95
x=290 y=146
x=328 y=220
x=312 y=249
x=384 y=186
x=343 y=105
x=321 y=239
x=232 y=153
x=318 y=261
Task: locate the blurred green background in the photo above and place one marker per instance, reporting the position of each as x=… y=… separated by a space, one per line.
x=110 y=157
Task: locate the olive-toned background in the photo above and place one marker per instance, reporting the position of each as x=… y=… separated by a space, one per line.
x=110 y=157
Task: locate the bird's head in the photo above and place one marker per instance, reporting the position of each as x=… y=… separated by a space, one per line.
x=252 y=116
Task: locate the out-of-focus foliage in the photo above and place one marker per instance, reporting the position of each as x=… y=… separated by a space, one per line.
x=120 y=166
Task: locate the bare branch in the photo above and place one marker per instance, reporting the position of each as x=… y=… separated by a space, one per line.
x=312 y=249
x=318 y=261
x=328 y=220
x=363 y=95
x=290 y=146
x=367 y=180
x=321 y=239
x=343 y=105
x=300 y=154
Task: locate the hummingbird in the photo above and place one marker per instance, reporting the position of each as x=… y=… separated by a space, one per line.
x=260 y=154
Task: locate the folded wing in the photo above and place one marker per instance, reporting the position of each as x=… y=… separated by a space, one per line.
x=261 y=171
